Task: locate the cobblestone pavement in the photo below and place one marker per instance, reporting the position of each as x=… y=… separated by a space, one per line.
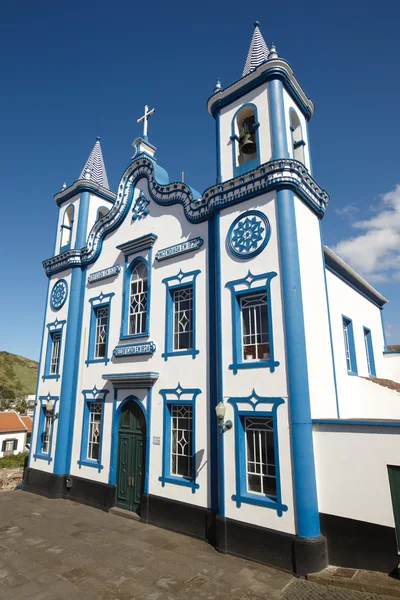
x=57 y=549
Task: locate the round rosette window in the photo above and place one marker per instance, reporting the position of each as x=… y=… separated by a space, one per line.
x=249 y=234
x=59 y=294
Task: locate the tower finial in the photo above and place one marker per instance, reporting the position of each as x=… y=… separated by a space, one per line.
x=273 y=53
x=94 y=168
x=258 y=51
x=218 y=86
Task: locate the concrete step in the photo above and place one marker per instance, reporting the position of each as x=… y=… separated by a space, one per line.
x=358 y=579
x=121 y=512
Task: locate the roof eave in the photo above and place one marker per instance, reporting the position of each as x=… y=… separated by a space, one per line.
x=84 y=185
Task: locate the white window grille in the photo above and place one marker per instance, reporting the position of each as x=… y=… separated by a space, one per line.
x=101 y=332
x=138 y=300
x=260 y=455
x=347 y=344
x=255 y=335
x=46 y=434
x=181 y=440
x=9 y=446
x=183 y=318
x=95 y=416
x=55 y=353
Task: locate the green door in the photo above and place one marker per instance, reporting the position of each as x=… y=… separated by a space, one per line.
x=131 y=456
x=394 y=481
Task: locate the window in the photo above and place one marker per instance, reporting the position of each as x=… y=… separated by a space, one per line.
x=350 y=352
x=180 y=315
x=101 y=213
x=9 y=445
x=369 y=351
x=92 y=428
x=297 y=137
x=53 y=350
x=99 y=331
x=138 y=300
x=252 y=340
x=257 y=452
x=46 y=434
x=245 y=139
x=66 y=229
x=45 y=427
x=183 y=318
x=179 y=439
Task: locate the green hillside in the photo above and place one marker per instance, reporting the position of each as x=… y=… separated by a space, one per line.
x=18 y=376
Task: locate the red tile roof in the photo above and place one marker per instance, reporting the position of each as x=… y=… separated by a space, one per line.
x=27 y=421
x=10 y=421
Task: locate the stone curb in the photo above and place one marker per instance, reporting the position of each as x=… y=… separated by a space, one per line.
x=362 y=582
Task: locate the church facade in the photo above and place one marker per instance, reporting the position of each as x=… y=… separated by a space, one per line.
x=207 y=362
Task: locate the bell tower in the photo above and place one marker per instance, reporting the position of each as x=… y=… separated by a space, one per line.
x=261 y=117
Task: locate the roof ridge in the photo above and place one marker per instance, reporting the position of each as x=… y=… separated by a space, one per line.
x=258 y=51
x=19 y=417
x=94 y=168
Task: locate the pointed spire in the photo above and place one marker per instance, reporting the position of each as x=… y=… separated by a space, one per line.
x=94 y=168
x=258 y=51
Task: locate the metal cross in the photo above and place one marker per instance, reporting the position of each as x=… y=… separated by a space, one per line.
x=145 y=118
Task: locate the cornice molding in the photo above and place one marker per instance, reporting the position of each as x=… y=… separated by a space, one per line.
x=83 y=185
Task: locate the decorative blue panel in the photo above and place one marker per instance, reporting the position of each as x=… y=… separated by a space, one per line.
x=133 y=349
x=59 y=294
x=182 y=248
x=249 y=234
x=140 y=210
x=110 y=272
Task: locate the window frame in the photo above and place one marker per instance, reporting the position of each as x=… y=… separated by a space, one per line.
x=369 y=351
x=249 y=285
x=41 y=407
x=7 y=441
x=101 y=301
x=178 y=397
x=255 y=162
x=93 y=396
x=346 y=321
x=53 y=328
x=242 y=496
x=173 y=284
x=125 y=335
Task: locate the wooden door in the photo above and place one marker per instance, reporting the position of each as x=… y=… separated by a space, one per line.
x=131 y=457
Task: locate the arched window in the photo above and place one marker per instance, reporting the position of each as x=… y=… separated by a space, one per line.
x=137 y=318
x=66 y=229
x=297 y=137
x=246 y=130
x=101 y=213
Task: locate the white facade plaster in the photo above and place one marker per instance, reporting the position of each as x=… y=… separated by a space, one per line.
x=20 y=436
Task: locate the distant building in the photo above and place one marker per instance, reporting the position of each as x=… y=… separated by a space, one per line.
x=30 y=400
x=207 y=362
x=15 y=433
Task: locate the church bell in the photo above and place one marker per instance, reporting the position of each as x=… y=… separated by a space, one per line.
x=247 y=144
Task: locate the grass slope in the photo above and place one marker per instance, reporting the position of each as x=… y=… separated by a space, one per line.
x=18 y=375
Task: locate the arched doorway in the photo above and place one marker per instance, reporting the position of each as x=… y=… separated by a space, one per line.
x=131 y=456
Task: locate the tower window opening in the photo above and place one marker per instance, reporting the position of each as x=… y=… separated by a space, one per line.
x=66 y=229
x=101 y=213
x=246 y=125
x=298 y=142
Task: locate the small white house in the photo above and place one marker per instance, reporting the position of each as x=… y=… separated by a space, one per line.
x=15 y=433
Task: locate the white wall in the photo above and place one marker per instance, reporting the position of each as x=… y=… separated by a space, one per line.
x=391 y=367
x=351 y=466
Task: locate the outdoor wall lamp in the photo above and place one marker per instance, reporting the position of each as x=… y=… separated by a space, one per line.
x=50 y=409
x=220 y=411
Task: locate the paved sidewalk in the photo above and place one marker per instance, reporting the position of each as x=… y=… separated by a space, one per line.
x=57 y=549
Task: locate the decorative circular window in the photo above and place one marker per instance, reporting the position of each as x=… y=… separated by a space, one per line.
x=249 y=234
x=59 y=294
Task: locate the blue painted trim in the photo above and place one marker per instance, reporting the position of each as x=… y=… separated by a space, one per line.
x=83 y=216
x=218 y=146
x=391 y=352
x=115 y=428
x=124 y=334
x=148 y=441
x=242 y=495
x=369 y=349
x=173 y=283
x=42 y=419
x=278 y=121
x=84 y=187
x=304 y=478
x=252 y=253
x=330 y=323
x=255 y=162
x=350 y=335
x=237 y=345
x=174 y=397
x=69 y=381
x=134 y=349
x=90 y=396
x=55 y=327
x=385 y=350
x=98 y=302
x=357 y=422
x=53 y=304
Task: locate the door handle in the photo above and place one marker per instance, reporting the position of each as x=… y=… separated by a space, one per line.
x=129 y=481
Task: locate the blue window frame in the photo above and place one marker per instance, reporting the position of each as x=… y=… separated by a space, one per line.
x=179 y=437
x=99 y=331
x=369 y=351
x=45 y=422
x=53 y=350
x=245 y=123
x=92 y=428
x=349 y=346
x=180 y=314
x=258 y=479
x=252 y=331
x=136 y=299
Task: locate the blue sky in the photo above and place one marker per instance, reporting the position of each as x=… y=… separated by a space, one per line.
x=73 y=70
